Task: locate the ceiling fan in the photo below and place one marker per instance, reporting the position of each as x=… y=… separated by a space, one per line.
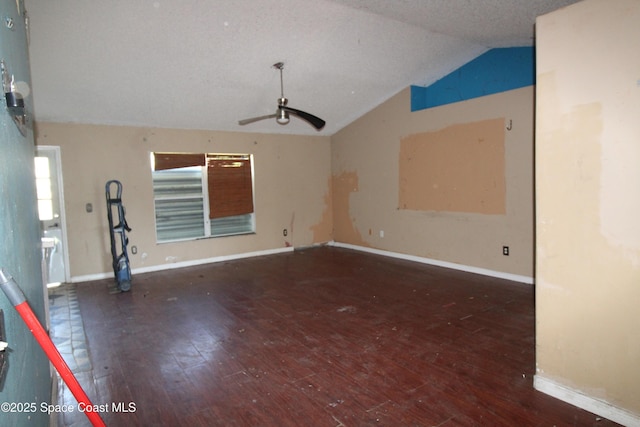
x=283 y=112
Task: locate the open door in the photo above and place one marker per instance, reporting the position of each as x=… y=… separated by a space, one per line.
x=51 y=213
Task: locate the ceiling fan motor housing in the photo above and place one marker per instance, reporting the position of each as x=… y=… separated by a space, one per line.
x=282 y=117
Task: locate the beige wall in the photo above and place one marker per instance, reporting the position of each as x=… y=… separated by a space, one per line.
x=588 y=200
x=292 y=181
x=367 y=157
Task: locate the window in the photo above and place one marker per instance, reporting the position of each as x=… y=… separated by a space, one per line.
x=202 y=195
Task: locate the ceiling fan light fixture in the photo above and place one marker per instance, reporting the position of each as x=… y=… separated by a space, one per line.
x=283 y=117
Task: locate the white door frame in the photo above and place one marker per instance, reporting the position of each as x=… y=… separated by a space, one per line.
x=63 y=219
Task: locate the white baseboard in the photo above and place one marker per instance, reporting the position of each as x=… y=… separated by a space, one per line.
x=451 y=265
x=583 y=401
x=454 y=266
x=90 y=277
x=191 y=263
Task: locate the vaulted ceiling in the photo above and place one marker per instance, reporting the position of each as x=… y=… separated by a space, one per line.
x=205 y=64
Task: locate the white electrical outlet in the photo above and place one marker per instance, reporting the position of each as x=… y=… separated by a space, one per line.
x=381 y=233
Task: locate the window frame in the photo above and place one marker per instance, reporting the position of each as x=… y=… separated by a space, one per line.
x=247 y=220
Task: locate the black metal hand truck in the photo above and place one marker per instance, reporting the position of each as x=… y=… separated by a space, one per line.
x=118 y=234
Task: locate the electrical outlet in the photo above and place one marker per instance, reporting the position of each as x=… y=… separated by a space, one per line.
x=505 y=250
x=285 y=232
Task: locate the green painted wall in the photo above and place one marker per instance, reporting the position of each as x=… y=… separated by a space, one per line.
x=28 y=377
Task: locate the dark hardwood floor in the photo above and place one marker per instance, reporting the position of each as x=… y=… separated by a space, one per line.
x=317 y=337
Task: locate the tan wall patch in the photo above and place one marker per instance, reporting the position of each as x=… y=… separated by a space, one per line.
x=460 y=168
x=344 y=228
x=322 y=231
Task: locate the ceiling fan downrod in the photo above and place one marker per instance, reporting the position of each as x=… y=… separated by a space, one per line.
x=283 y=115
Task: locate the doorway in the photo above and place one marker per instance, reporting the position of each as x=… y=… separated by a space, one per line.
x=51 y=212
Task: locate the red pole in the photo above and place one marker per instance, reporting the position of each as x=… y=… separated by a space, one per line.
x=15 y=295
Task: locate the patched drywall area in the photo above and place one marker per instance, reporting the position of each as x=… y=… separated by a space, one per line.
x=371 y=148
x=588 y=205
x=460 y=168
x=344 y=223
x=583 y=303
x=323 y=230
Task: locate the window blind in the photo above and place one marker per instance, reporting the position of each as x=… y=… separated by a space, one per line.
x=178 y=204
x=163 y=161
x=230 y=185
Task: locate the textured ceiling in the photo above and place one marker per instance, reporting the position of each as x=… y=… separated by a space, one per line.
x=205 y=64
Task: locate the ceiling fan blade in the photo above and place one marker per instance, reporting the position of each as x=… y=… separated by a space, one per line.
x=255 y=119
x=316 y=122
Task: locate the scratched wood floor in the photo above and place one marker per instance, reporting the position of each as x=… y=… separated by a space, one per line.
x=317 y=337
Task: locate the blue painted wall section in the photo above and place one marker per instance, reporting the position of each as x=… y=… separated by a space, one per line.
x=495 y=71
